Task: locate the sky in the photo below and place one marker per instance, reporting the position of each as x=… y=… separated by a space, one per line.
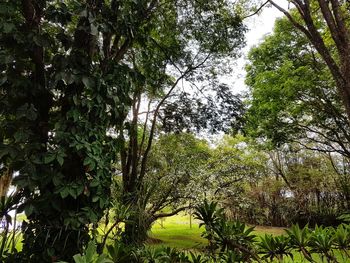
x=258 y=26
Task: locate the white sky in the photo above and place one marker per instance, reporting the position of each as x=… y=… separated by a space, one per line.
x=258 y=26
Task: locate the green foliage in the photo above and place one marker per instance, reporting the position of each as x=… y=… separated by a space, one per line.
x=9 y=236
x=197 y=258
x=120 y=252
x=345 y=218
x=221 y=112
x=293 y=94
x=275 y=247
x=271 y=248
x=177 y=161
x=235 y=237
x=342 y=237
x=299 y=236
x=296 y=185
x=209 y=213
x=70 y=73
x=223 y=234
x=91 y=256
x=9 y=240
x=299 y=239
x=321 y=241
x=174 y=39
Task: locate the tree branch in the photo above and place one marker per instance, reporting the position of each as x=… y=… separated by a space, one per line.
x=257 y=11
x=162 y=215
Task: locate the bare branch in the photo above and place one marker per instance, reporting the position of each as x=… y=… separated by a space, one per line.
x=257 y=11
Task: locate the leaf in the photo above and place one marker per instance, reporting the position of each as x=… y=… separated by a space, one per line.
x=94 y=30
x=20 y=136
x=36 y=160
x=90 y=251
x=49 y=158
x=67 y=78
x=41 y=40
x=28 y=210
x=72 y=193
x=60 y=160
x=3 y=79
x=56 y=180
x=103 y=259
x=94 y=183
x=87 y=161
x=65 y=192
x=88 y=82
x=79 y=189
x=8 y=27
x=79 y=259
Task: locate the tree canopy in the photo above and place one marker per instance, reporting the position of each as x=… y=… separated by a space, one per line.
x=71 y=74
x=292 y=94
x=332 y=41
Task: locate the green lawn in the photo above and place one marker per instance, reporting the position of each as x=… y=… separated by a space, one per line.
x=176 y=232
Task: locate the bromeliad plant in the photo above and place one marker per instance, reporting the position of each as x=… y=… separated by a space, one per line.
x=210 y=215
x=223 y=234
x=275 y=247
x=299 y=238
x=342 y=240
x=321 y=242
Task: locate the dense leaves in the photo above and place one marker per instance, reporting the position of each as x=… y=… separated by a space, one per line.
x=326 y=26
x=71 y=71
x=293 y=95
x=220 y=112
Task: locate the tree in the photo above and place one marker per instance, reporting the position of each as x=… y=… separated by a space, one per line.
x=292 y=94
x=174 y=171
x=333 y=44
x=189 y=39
x=61 y=90
x=70 y=73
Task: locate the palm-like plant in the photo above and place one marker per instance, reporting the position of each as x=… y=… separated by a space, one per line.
x=196 y=258
x=164 y=255
x=342 y=239
x=345 y=218
x=233 y=235
x=225 y=234
x=299 y=238
x=275 y=247
x=208 y=213
x=231 y=257
x=321 y=241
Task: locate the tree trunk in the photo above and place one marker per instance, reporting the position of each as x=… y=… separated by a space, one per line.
x=335 y=19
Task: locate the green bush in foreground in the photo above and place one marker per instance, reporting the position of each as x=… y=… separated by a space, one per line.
x=233 y=241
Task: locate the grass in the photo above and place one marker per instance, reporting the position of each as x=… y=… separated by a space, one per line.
x=177 y=232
